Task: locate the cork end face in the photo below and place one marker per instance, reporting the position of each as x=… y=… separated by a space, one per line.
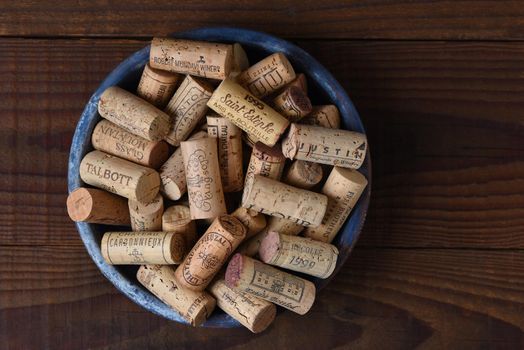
x=177 y=248
x=159 y=127
x=79 y=204
x=269 y=247
x=202 y=314
x=290 y=143
x=170 y=189
x=158 y=155
x=300 y=99
x=262 y=151
x=152 y=207
x=264 y=319
x=147 y=187
x=350 y=175
x=234 y=268
x=232 y=225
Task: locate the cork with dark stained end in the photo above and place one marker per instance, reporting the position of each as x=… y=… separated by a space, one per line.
x=258 y=279
x=119 y=176
x=137 y=248
x=97 y=207
x=253 y=313
x=210 y=253
x=303 y=174
x=271 y=197
x=300 y=82
x=194 y=307
x=187 y=108
x=134 y=114
x=200 y=58
x=147 y=216
x=177 y=218
x=157 y=86
x=292 y=103
x=172 y=173
x=338 y=147
x=298 y=254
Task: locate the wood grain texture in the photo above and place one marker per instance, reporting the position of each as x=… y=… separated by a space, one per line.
x=381 y=19
x=383 y=298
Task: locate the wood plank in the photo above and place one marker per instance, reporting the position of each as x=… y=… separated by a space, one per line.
x=444 y=121
x=435 y=298
x=382 y=19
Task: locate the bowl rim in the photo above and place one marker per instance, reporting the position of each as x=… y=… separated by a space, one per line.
x=316 y=71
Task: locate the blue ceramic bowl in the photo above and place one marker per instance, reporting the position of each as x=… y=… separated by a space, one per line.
x=323 y=88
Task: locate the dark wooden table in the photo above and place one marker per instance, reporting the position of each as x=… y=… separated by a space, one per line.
x=440 y=88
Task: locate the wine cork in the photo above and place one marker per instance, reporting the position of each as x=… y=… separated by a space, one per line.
x=147 y=216
x=292 y=103
x=300 y=82
x=204 y=187
x=343 y=188
x=110 y=138
x=200 y=58
x=250 y=114
x=286 y=227
x=172 y=174
x=266 y=282
x=194 y=307
x=177 y=219
x=133 y=114
x=252 y=220
x=119 y=176
x=253 y=313
x=136 y=248
x=210 y=252
x=299 y=254
x=303 y=174
x=187 y=108
x=267 y=75
x=326 y=146
x=265 y=161
x=275 y=198
x=229 y=138
x=326 y=116
x=157 y=86
x=240 y=60
x=97 y=207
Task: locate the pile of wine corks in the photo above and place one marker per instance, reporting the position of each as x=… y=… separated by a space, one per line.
x=221 y=180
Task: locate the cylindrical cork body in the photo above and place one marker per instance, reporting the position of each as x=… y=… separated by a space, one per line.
x=250 y=114
x=299 y=254
x=253 y=313
x=133 y=114
x=303 y=174
x=252 y=220
x=326 y=146
x=177 y=218
x=187 y=108
x=119 y=176
x=343 y=189
x=267 y=75
x=201 y=58
x=97 y=207
x=194 y=307
x=157 y=86
x=326 y=116
x=300 y=82
x=229 y=138
x=265 y=161
x=204 y=187
x=147 y=216
x=292 y=103
x=210 y=252
x=136 y=248
x=172 y=174
x=266 y=282
x=275 y=198
x=112 y=139
x=286 y=227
